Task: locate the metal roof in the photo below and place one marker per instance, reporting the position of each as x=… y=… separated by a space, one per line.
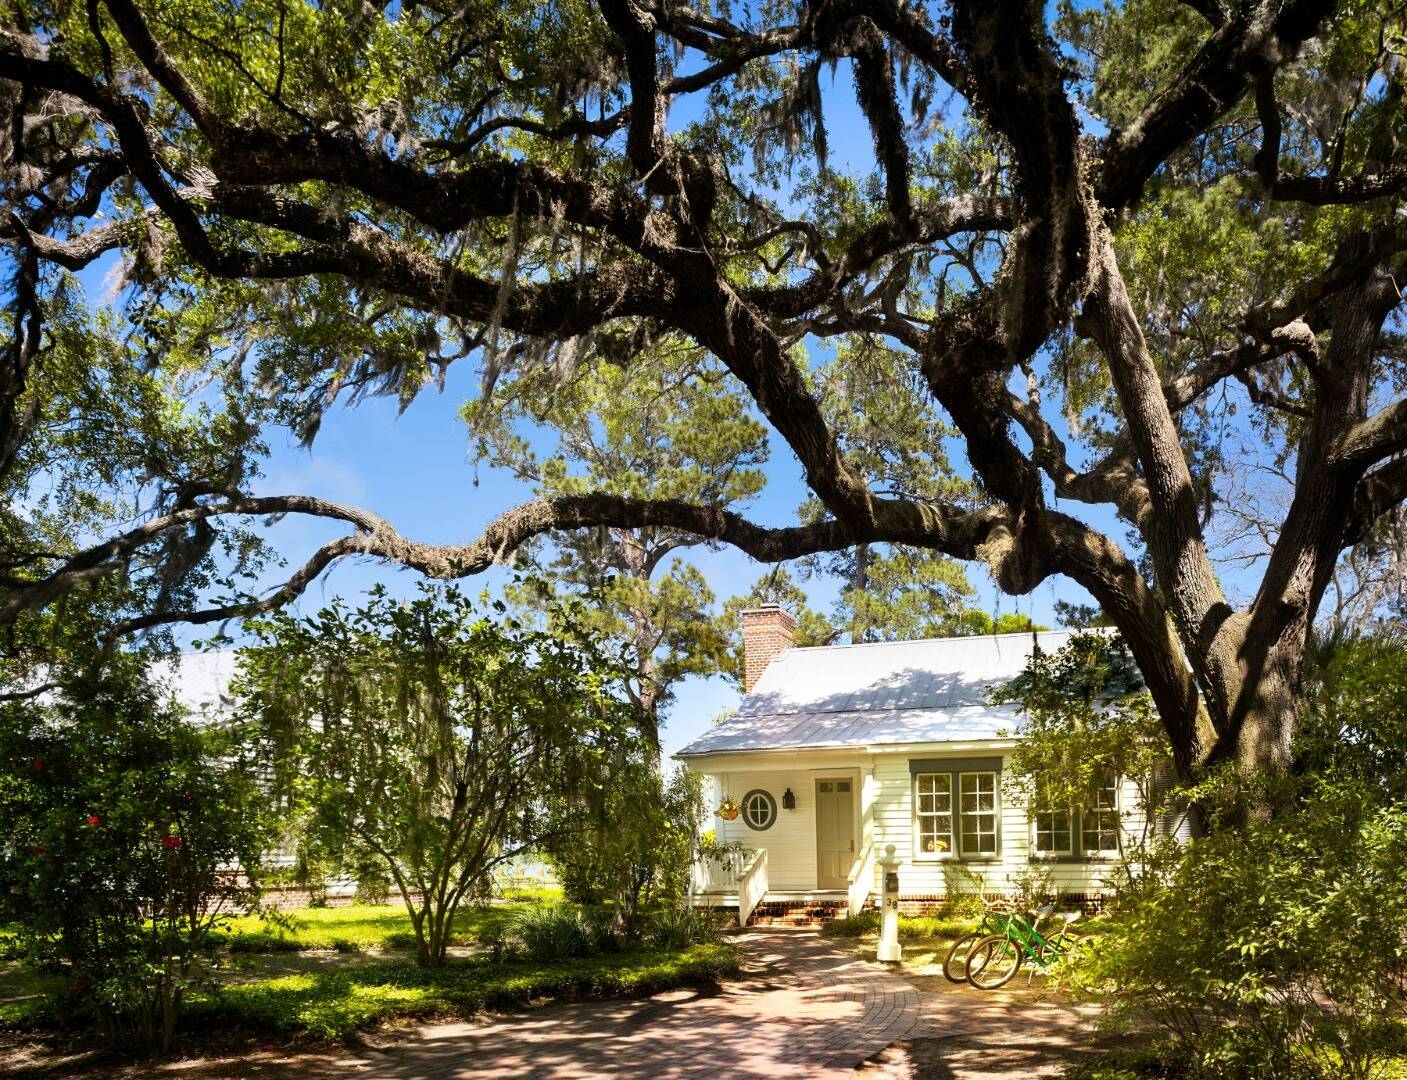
x=891 y=692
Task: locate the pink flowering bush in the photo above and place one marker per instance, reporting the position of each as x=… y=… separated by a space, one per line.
x=125 y=841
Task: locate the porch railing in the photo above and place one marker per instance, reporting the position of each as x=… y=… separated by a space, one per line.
x=752 y=885
x=718 y=874
x=861 y=880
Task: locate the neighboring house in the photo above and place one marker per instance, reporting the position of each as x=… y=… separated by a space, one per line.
x=838 y=751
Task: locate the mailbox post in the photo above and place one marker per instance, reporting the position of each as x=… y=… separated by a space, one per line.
x=889 y=948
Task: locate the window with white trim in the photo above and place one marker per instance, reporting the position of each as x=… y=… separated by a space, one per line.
x=1099 y=822
x=1050 y=827
x=933 y=803
x=977 y=813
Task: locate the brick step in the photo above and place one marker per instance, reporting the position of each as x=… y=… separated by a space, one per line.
x=788 y=907
x=807 y=914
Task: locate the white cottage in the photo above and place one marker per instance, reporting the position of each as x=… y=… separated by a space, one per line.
x=837 y=752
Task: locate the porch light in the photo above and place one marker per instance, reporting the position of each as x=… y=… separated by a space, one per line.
x=788 y=800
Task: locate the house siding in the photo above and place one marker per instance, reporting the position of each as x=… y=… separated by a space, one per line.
x=885 y=815
x=791 y=841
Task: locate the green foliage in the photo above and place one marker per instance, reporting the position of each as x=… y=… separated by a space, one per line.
x=852 y=926
x=553 y=933
x=671 y=425
x=114 y=429
x=1086 y=717
x=629 y=840
x=894 y=438
x=1280 y=947
x=951 y=924
x=429 y=738
x=1150 y=1063
x=129 y=839
x=678 y=927
x=334 y=1004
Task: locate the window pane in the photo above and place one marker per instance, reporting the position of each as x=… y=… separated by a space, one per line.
x=759 y=810
x=1100 y=822
x=977 y=796
x=843 y=785
x=1052 y=826
x=934 y=810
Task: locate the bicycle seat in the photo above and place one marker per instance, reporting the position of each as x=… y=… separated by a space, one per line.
x=1069 y=916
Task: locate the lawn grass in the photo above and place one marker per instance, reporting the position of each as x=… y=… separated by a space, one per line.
x=911 y=928
x=352 y=929
x=334 y=1004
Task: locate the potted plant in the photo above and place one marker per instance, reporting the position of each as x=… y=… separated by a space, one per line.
x=728 y=809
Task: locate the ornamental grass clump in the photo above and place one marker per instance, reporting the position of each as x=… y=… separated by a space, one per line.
x=677 y=928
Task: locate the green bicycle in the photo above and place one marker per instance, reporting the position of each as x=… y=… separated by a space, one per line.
x=995 y=915
x=994 y=961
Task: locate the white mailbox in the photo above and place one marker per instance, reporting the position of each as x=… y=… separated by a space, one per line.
x=890 y=950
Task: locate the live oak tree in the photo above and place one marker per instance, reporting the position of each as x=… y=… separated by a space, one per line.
x=430 y=738
x=1178 y=226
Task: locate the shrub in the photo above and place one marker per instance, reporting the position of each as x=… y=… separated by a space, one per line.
x=852 y=926
x=629 y=841
x=1277 y=945
x=373 y=884
x=963 y=906
x=679 y=927
x=125 y=838
x=935 y=926
x=553 y=933
x=1280 y=947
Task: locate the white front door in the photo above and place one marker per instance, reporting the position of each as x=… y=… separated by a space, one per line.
x=835 y=832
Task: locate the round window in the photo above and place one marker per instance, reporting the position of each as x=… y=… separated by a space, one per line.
x=759 y=810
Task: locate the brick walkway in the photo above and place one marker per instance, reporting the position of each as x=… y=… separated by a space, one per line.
x=813 y=1012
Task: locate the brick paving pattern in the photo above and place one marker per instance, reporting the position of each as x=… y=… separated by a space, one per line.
x=814 y=1012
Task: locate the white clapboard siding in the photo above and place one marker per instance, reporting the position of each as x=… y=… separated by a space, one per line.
x=791 y=841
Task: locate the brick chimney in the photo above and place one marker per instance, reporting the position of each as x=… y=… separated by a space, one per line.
x=767 y=631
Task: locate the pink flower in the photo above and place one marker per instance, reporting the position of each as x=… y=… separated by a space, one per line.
x=39 y=763
x=93 y=819
x=38 y=849
x=170 y=841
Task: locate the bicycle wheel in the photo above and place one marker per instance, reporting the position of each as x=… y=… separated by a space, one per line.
x=993 y=962
x=955 y=966
x=1064 y=944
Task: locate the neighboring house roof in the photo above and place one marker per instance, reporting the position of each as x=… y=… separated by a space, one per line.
x=890 y=692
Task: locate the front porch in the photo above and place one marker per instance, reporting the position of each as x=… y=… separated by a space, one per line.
x=804 y=839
